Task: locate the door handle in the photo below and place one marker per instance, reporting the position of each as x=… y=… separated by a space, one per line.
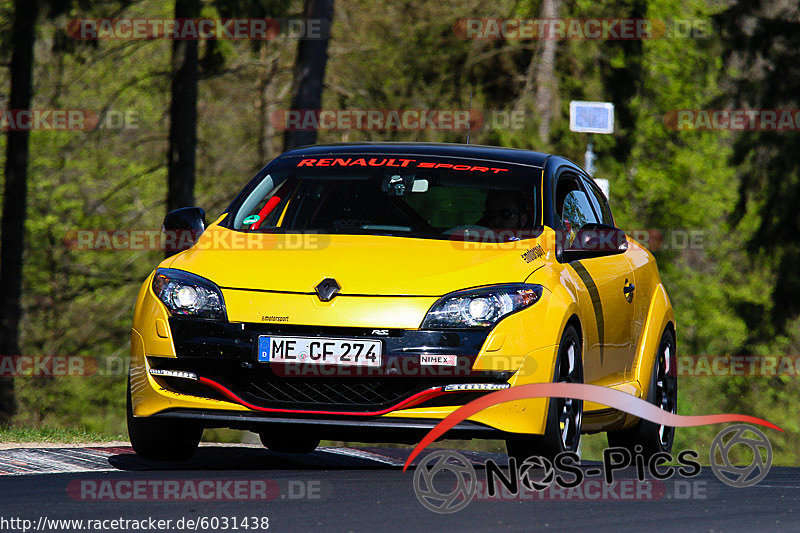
x=628 y=289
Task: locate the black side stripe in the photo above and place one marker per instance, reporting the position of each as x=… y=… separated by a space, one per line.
x=596 y=303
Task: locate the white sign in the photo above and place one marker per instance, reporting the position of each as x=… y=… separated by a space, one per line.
x=591 y=117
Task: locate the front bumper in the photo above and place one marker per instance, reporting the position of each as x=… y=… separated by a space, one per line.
x=235 y=383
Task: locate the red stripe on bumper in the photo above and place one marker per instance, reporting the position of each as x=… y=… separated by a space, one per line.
x=408 y=402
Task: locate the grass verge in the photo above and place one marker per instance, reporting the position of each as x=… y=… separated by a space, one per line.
x=53 y=434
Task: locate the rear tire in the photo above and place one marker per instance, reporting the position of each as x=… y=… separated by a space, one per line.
x=163 y=440
x=663 y=392
x=289 y=443
x=564 y=415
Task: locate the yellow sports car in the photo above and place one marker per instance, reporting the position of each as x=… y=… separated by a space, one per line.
x=363 y=292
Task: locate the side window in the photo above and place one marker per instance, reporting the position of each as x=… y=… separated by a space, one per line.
x=573 y=206
x=600 y=204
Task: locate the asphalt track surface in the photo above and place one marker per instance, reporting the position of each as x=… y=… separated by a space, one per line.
x=365 y=489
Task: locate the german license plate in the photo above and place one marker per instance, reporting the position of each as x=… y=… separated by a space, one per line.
x=319 y=350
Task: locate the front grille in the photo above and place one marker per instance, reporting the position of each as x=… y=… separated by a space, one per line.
x=260 y=387
x=352 y=394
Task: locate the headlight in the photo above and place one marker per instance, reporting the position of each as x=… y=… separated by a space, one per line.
x=480 y=308
x=187 y=294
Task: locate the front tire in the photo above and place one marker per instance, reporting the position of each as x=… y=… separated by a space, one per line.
x=163 y=440
x=564 y=415
x=653 y=438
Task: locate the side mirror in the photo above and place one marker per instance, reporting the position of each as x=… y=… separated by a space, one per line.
x=182 y=227
x=595 y=240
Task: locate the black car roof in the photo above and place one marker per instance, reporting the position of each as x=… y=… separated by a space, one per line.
x=492 y=153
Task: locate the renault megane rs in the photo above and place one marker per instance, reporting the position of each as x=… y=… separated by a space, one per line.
x=363 y=292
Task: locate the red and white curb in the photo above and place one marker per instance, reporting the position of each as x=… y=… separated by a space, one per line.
x=20 y=461
x=27 y=461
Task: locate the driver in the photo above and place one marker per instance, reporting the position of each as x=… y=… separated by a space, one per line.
x=505 y=210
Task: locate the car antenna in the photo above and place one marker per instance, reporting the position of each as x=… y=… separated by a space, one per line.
x=469 y=116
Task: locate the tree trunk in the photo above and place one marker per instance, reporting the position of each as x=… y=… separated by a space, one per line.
x=540 y=80
x=546 y=84
x=183 y=114
x=309 y=71
x=266 y=103
x=15 y=196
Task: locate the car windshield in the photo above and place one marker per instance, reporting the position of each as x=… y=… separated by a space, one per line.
x=391 y=195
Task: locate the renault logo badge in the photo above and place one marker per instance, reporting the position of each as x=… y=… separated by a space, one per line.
x=327 y=289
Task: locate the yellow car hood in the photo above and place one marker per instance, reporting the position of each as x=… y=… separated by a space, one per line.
x=361 y=264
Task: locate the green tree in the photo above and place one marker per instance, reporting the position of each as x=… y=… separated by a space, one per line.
x=762 y=53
